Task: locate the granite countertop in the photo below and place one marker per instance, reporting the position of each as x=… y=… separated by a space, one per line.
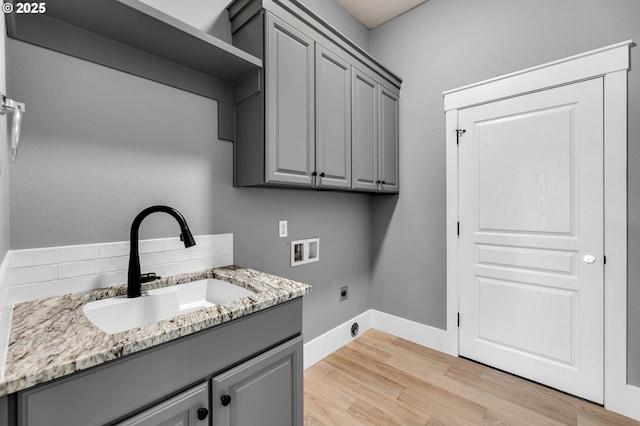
x=51 y=338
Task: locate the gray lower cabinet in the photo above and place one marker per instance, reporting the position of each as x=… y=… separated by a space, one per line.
x=374 y=114
x=190 y=408
x=4 y=411
x=265 y=391
x=170 y=384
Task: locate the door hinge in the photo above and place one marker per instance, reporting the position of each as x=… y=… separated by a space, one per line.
x=459 y=132
x=458 y=230
x=458 y=319
x=604 y=259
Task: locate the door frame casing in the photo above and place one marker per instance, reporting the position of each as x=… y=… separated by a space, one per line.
x=612 y=64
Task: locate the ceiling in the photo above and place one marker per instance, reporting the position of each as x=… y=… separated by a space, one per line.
x=375 y=12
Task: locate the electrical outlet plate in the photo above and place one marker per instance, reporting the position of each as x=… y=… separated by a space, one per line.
x=344 y=293
x=283 y=228
x=305 y=251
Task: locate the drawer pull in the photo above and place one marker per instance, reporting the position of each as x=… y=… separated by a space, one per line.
x=225 y=400
x=202 y=413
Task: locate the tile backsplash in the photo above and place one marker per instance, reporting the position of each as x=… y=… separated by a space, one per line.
x=44 y=272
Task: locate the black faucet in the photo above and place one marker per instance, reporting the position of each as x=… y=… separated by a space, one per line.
x=134 y=281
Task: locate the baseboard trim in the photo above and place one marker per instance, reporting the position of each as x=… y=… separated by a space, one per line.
x=334 y=339
x=625 y=401
x=415 y=332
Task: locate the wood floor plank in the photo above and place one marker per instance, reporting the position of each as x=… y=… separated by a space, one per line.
x=359 y=367
x=380 y=414
x=377 y=397
x=422 y=396
x=380 y=379
x=465 y=379
x=352 y=385
x=321 y=412
x=504 y=413
x=590 y=414
x=529 y=395
x=371 y=351
x=434 y=422
x=425 y=352
x=444 y=406
x=377 y=337
x=323 y=389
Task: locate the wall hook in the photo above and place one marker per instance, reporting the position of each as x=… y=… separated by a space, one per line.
x=17 y=108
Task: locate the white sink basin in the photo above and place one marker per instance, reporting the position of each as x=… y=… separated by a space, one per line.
x=121 y=313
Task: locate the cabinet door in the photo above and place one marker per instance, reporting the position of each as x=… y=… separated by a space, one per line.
x=290 y=101
x=364 y=115
x=333 y=120
x=388 y=140
x=265 y=391
x=190 y=408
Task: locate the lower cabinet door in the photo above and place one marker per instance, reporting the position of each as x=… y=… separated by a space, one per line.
x=190 y=408
x=264 y=391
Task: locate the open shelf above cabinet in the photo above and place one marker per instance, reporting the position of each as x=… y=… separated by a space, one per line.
x=136 y=38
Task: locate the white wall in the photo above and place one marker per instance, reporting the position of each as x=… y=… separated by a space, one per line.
x=445 y=44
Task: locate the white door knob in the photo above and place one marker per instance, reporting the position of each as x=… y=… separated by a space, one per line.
x=589 y=258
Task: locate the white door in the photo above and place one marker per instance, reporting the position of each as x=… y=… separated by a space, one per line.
x=531 y=261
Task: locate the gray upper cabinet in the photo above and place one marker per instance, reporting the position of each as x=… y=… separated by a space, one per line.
x=375 y=135
x=311 y=119
x=290 y=105
x=388 y=140
x=333 y=120
x=365 y=131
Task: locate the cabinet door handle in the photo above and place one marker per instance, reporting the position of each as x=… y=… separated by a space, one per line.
x=314 y=174
x=322 y=174
x=225 y=400
x=202 y=413
x=383 y=182
x=377 y=182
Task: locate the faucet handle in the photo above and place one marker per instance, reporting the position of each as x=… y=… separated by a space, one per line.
x=145 y=278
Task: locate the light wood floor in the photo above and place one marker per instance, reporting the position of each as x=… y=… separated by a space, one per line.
x=381 y=379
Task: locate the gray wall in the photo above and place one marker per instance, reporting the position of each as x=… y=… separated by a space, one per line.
x=444 y=44
x=207 y=15
x=336 y=15
x=100 y=145
x=211 y=16
x=4 y=157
